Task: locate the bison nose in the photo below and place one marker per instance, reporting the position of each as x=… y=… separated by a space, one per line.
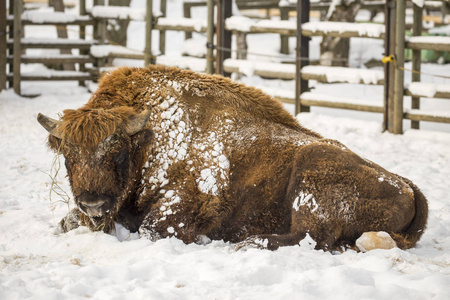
x=94 y=205
x=93 y=209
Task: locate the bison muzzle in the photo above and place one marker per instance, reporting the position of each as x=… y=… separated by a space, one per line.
x=169 y=152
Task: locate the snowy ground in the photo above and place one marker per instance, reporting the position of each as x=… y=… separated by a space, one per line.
x=37 y=263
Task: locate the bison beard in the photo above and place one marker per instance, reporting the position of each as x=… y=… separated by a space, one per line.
x=168 y=152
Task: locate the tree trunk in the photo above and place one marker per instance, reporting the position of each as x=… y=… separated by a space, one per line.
x=116 y=30
x=58 y=5
x=334 y=51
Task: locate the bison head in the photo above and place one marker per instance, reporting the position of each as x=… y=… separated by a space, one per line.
x=104 y=151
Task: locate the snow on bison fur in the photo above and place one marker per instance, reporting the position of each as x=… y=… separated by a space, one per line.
x=169 y=152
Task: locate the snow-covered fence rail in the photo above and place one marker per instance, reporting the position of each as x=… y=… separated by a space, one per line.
x=333 y=29
x=323 y=74
x=394 y=87
x=395 y=106
x=17 y=19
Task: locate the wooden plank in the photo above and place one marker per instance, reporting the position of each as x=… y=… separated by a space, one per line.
x=342 y=34
x=301 y=52
x=308 y=102
x=139 y=56
x=438 y=94
x=54 y=43
x=400 y=60
x=210 y=39
x=223 y=36
x=264 y=69
x=62 y=34
x=181 y=24
x=55 y=76
x=278 y=30
x=389 y=67
x=17 y=47
x=80 y=21
x=428 y=90
x=162 y=33
x=148 y=59
x=416 y=58
x=436 y=43
x=327 y=74
x=57 y=59
x=341 y=105
x=416 y=115
x=3 y=49
x=333 y=29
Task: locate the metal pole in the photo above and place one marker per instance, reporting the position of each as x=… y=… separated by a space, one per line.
x=210 y=39
x=416 y=58
x=301 y=54
x=148 y=33
x=400 y=61
x=17 y=47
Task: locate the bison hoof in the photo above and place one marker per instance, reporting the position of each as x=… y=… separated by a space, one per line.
x=69 y=222
x=375 y=240
x=253 y=242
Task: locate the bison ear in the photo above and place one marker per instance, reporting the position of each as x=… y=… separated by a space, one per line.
x=51 y=125
x=137 y=122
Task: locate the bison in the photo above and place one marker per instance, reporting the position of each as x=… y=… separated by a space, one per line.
x=170 y=152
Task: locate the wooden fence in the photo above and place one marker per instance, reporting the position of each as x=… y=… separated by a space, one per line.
x=393 y=34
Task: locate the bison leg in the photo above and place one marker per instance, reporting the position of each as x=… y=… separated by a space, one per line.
x=270 y=241
x=71 y=221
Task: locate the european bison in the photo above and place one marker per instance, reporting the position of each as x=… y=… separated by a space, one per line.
x=176 y=153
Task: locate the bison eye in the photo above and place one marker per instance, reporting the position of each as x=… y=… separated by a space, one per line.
x=121 y=157
x=121 y=161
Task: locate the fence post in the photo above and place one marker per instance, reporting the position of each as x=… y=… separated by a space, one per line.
x=210 y=39
x=284 y=39
x=389 y=67
x=400 y=61
x=162 y=33
x=301 y=55
x=416 y=59
x=148 y=33
x=17 y=46
x=3 y=47
x=223 y=50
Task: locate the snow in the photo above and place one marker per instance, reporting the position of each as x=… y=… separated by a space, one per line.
x=54 y=41
x=249 y=68
x=198 y=25
x=427 y=89
x=341 y=74
x=239 y=23
x=337 y=99
x=39 y=263
x=106 y=50
x=363 y=29
x=244 y=24
x=36 y=262
x=441 y=30
x=118 y=12
x=419 y=3
x=190 y=63
x=56 y=17
x=429 y=39
x=305 y=199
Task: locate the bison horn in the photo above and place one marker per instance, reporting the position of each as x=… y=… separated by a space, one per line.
x=51 y=125
x=137 y=122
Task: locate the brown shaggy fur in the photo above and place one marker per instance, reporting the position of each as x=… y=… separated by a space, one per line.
x=89 y=127
x=221 y=159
